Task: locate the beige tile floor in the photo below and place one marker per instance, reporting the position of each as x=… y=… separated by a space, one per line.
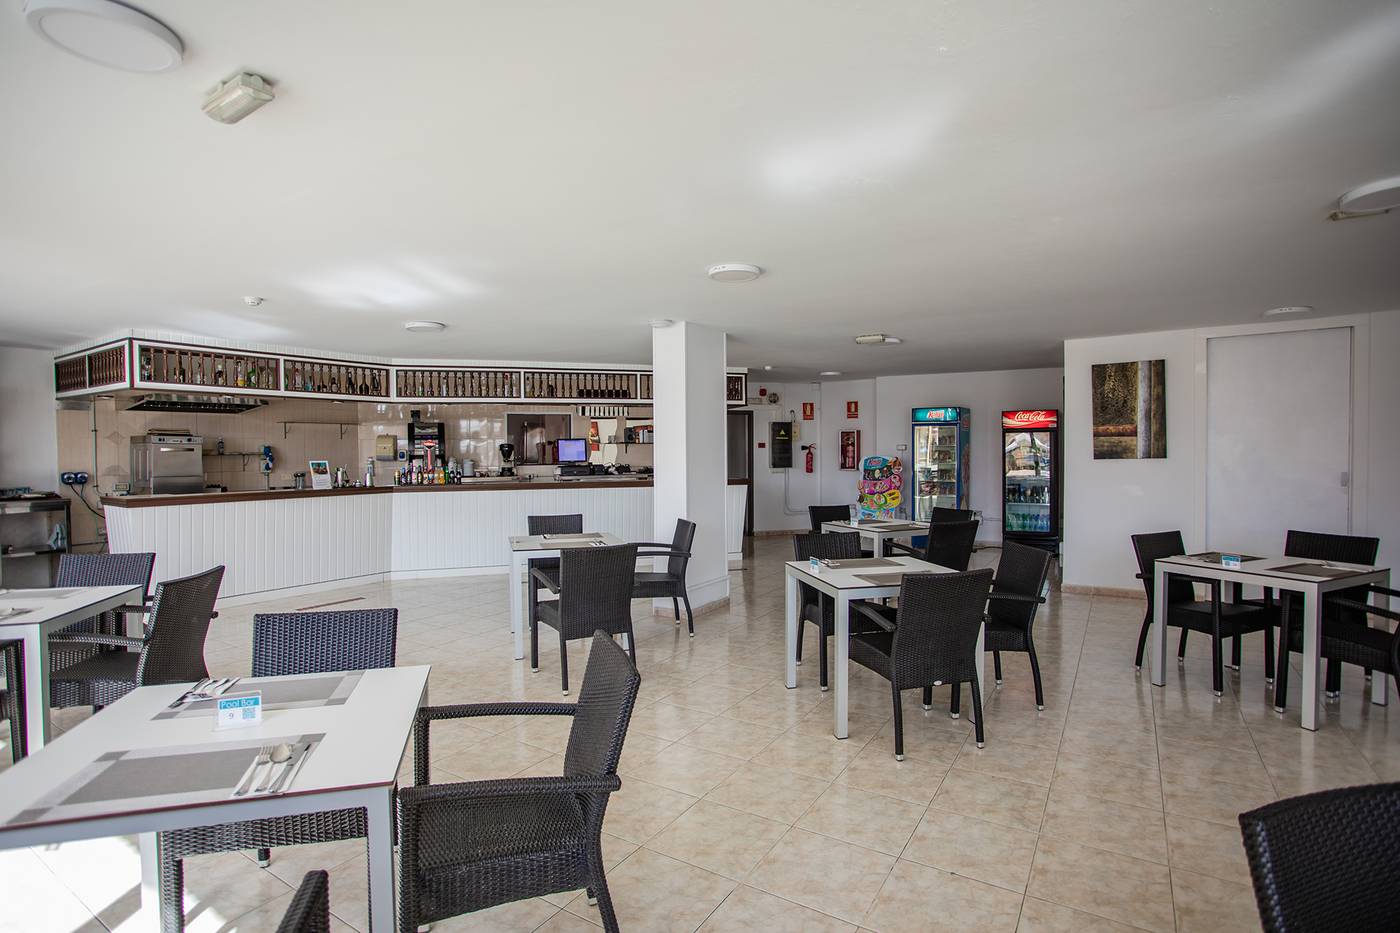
x=1113 y=809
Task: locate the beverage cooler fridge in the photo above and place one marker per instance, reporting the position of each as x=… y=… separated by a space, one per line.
x=1031 y=477
x=940 y=460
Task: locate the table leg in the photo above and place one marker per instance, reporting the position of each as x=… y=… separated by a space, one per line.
x=150 y=882
x=379 y=822
x=36 y=688
x=982 y=665
x=517 y=609
x=1312 y=657
x=1380 y=684
x=790 y=630
x=840 y=665
x=1159 y=625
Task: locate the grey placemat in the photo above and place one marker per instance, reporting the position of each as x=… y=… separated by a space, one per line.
x=575 y=542
x=1317 y=570
x=573 y=536
x=301 y=692
x=891 y=579
x=857 y=563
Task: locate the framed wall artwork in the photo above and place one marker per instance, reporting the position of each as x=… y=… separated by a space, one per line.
x=850 y=450
x=1130 y=410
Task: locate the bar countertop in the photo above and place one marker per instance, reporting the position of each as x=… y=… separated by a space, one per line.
x=260 y=495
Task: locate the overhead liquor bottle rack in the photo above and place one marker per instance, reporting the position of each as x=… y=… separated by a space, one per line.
x=174 y=365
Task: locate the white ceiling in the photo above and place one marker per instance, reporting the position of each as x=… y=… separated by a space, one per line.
x=982 y=179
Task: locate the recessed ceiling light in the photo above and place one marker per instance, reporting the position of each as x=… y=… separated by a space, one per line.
x=107 y=33
x=869 y=339
x=734 y=272
x=1291 y=309
x=830 y=372
x=768 y=368
x=252 y=301
x=424 y=327
x=1380 y=195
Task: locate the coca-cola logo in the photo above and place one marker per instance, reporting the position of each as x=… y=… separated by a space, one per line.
x=1038 y=418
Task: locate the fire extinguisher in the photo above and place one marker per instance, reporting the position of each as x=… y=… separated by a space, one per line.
x=811 y=457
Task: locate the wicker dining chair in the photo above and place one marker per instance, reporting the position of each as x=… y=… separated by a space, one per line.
x=310 y=911
x=170 y=652
x=1011 y=607
x=658 y=584
x=1213 y=616
x=548 y=577
x=12 y=705
x=1375 y=649
x=469 y=846
x=595 y=594
x=814 y=606
x=950 y=544
x=933 y=641
x=819 y=515
x=286 y=644
x=1326 y=861
x=130 y=569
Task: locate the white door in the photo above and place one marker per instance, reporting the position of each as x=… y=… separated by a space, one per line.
x=1278 y=437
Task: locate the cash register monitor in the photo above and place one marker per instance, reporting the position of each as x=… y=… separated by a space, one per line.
x=572 y=450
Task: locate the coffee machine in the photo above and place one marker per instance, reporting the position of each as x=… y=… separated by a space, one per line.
x=507 y=459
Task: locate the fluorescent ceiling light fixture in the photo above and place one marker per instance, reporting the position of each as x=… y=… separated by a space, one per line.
x=734 y=272
x=107 y=33
x=1290 y=309
x=876 y=339
x=660 y=322
x=830 y=372
x=232 y=100
x=424 y=327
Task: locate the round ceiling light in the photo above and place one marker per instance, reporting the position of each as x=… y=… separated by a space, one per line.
x=734 y=272
x=424 y=327
x=875 y=339
x=660 y=322
x=252 y=301
x=107 y=33
x=1380 y=195
x=1290 y=309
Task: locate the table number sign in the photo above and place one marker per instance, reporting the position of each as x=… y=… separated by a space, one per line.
x=238 y=711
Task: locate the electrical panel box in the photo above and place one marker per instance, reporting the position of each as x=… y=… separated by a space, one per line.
x=780 y=445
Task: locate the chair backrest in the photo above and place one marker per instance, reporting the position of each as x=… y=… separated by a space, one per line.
x=681 y=541
x=1326 y=861
x=595 y=589
x=310 y=911
x=1021 y=572
x=950 y=544
x=1153 y=546
x=180 y=614
x=610 y=684
x=1319 y=545
x=106 y=570
x=554 y=524
x=940 y=515
x=829 y=546
x=286 y=643
x=819 y=514
x=936 y=627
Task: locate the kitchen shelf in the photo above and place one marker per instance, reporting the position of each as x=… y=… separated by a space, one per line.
x=32 y=552
x=340 y=424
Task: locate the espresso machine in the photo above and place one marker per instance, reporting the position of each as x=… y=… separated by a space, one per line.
x=507 y=459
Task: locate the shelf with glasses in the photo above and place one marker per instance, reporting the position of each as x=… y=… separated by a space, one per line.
x=456 y=385
x=580 y=385
x=342 y=381
x=204 y=369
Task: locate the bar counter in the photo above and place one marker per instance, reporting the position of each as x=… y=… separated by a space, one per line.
x=284 y=541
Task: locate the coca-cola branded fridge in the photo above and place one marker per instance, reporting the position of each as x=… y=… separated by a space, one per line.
x=1031 y=477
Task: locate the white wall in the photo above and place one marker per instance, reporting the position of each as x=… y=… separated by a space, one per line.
x=28 y=431
x=1106 y=501
x=885 y=407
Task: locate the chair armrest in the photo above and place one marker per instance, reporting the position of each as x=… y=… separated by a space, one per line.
x=544 y=578
x=666 y=545
x=511 y=787
x=96 y=638
x=128 y=609
x=901 y=546
x=1017 y=597
x=1363 y=607
x=464 y=710
x=1384 y=591
x=874 y=615
x=663 y=552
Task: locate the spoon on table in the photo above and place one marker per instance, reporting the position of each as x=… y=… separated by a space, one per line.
x=281 y=754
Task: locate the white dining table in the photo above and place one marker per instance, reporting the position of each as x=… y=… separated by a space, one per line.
x=525 y=548
x=844 y=583
x=1279 y=573
x=31 y=616
x=84 y=784
x=877 y=531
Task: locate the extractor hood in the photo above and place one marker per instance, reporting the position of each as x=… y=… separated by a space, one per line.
x=199 y=404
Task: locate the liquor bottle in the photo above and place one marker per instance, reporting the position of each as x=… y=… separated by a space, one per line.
x=219 y=378
x=444 y=388
x=364 y=386
x=147 y=368
x=296 y=376
x=196 y=369
x=374 y=382
x=334 y=383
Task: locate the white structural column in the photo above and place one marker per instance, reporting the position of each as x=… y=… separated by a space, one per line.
x=688 y=363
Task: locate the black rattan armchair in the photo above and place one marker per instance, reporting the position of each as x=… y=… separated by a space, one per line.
x=12 y=697
x=285 y=644
x=133 y=569
x=548 y=577
x=1011 y=607
x=950 y=544
x=1326 y=861
x=595 y=594
x=816 y=607
x=647 y=584
x=311 y=906
x=171 y=652
x=819 y=515
x=1346 y=549
x=465 y=847
x=932 y=642
x=1213 y=617
x=1374 y=649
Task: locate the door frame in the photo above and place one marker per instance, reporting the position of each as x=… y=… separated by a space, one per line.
x=1360 y=327
x=747 y=416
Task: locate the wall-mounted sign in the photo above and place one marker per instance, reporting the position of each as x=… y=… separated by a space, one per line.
x=809 y=411
x=853 y=411
x=936 y=415
x=780 y=439
x=850 y=450
x=1038 y=418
